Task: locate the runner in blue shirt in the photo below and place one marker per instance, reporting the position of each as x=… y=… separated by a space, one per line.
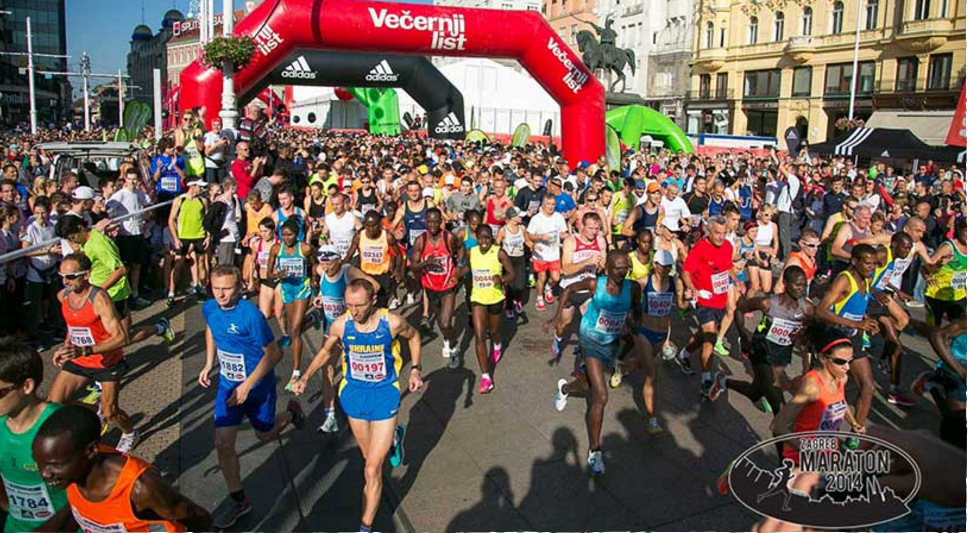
x=238 y=338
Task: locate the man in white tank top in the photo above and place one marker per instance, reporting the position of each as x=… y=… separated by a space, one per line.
x=340 y=226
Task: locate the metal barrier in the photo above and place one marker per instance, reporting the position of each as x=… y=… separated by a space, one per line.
x=24 y=252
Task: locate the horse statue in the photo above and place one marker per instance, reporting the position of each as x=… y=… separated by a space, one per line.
x=605 y=54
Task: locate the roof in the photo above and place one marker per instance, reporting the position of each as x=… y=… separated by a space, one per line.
x=930 y=126
x=90 y=149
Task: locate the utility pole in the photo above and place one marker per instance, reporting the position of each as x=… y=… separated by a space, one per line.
x=121 y=101
x=855 y=62
x=85 y=73
x=30 y=80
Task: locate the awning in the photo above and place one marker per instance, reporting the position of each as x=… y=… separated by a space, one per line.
x=875 y=143
x=930 y=127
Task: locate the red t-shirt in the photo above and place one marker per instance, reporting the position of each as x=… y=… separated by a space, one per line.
x=240 y=171
x=709 y=267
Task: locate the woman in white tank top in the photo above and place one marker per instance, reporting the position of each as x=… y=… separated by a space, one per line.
x=765 y=248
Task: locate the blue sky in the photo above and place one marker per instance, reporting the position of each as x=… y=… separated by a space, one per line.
x=103 y=27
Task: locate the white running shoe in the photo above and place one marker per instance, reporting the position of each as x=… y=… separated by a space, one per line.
x=410 y=298
x=595 y=462
x=394 y=304
x=445 y=351
x=127 y=441
x=453 y=360
x=617 y=378
x=561 y=397
x=329 y=425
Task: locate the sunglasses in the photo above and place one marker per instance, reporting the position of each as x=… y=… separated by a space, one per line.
x=74 y=275
x=839 y=361
x=809 y=245
x=7 y=390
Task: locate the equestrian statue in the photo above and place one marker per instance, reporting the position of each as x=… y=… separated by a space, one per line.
x=605 y=54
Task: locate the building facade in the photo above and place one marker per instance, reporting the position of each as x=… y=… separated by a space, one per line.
x=147 y=53
x=660 y=33
x=569 y=17
x=49 y=32
x=760 y=66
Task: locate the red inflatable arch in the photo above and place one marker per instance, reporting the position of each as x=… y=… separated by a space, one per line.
x=279 y=26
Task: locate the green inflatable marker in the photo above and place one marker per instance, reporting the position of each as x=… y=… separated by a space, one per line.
x=521 y=135
x=383 y=113
x=634 y=121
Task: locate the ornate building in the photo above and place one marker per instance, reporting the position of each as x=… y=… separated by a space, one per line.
x=569 y=17
x=760 y=66
x=148 y=53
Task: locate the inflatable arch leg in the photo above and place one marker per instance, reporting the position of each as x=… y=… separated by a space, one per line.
x=633 y=121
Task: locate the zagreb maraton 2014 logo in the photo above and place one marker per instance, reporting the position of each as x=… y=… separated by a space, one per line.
x=831 y=487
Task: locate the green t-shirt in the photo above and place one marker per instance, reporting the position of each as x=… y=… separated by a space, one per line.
x=31 y=500
x=105 y=259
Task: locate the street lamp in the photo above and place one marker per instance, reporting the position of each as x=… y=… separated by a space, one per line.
x=855 y=62
x=228 y=112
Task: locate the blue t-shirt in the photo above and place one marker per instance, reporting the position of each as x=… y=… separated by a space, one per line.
x=240 y=335
x=168 y=178
x=564 y=203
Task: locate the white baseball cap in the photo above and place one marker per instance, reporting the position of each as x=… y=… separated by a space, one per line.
x=83 y=193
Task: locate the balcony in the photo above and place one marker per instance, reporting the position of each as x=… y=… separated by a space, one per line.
x=922 y=36
x=710 y=59
x=917 y=95
x=719 y=95
x=801 y=48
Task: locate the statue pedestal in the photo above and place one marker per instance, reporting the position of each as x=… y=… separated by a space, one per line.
x=623 y=99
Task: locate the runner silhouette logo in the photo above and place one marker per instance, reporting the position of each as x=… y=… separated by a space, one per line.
x=450 y=124
x=825 y=483
x=299 y=69
x=381 y=72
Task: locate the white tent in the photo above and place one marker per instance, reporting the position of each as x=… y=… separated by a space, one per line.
x=319 y=107
x=501 y=97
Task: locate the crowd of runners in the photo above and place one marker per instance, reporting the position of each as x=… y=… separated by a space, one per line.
x=332 y=235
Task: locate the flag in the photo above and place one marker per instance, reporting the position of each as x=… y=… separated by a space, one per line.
x=958 y=128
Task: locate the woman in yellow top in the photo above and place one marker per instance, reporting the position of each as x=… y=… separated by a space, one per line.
x=946 y=287
x=486 y=264
x=641 y=258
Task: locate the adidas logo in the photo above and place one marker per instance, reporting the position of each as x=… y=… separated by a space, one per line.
x=449 y=124
x=299 y=69
x=381 y=72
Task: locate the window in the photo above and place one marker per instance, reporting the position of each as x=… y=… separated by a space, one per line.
x=656 y=35
x=838 y=78
x=762 y=123
x=802 y=82
x=922 y=10
x=807 y=21
x=906 y=70
x=572 y=34
x=532 y=7
x=311 y=117
x=779 y=26
x=872 y=14
x=722 y=79
x=705 y=89
x=639 y=34
x=506 y=5
x=945 y=9
x=838 y=10
x=723 y=38
x=940 y=66
x=709 y=35
x=762 y=83
x=753 y=30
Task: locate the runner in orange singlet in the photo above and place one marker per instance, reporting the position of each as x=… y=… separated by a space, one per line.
x=106 y=490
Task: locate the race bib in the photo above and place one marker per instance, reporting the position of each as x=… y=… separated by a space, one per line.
x=437 y=265
x=90 y=526
x=372 y=255
x=170 y=183
x=292 y=267
x=262 y=258
x=720 y=282
x=620 y=217
x=333 y=307
x=610 y=322
x=482 y=278
x=533 y=207
x=80 y=336
x=832 y=417
x=232 y=366
x=29 y=502
x=659 y=304
x=959 y=281
x=781 y=331
x=366 y=364
x=341 y=247
x=413 y=234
